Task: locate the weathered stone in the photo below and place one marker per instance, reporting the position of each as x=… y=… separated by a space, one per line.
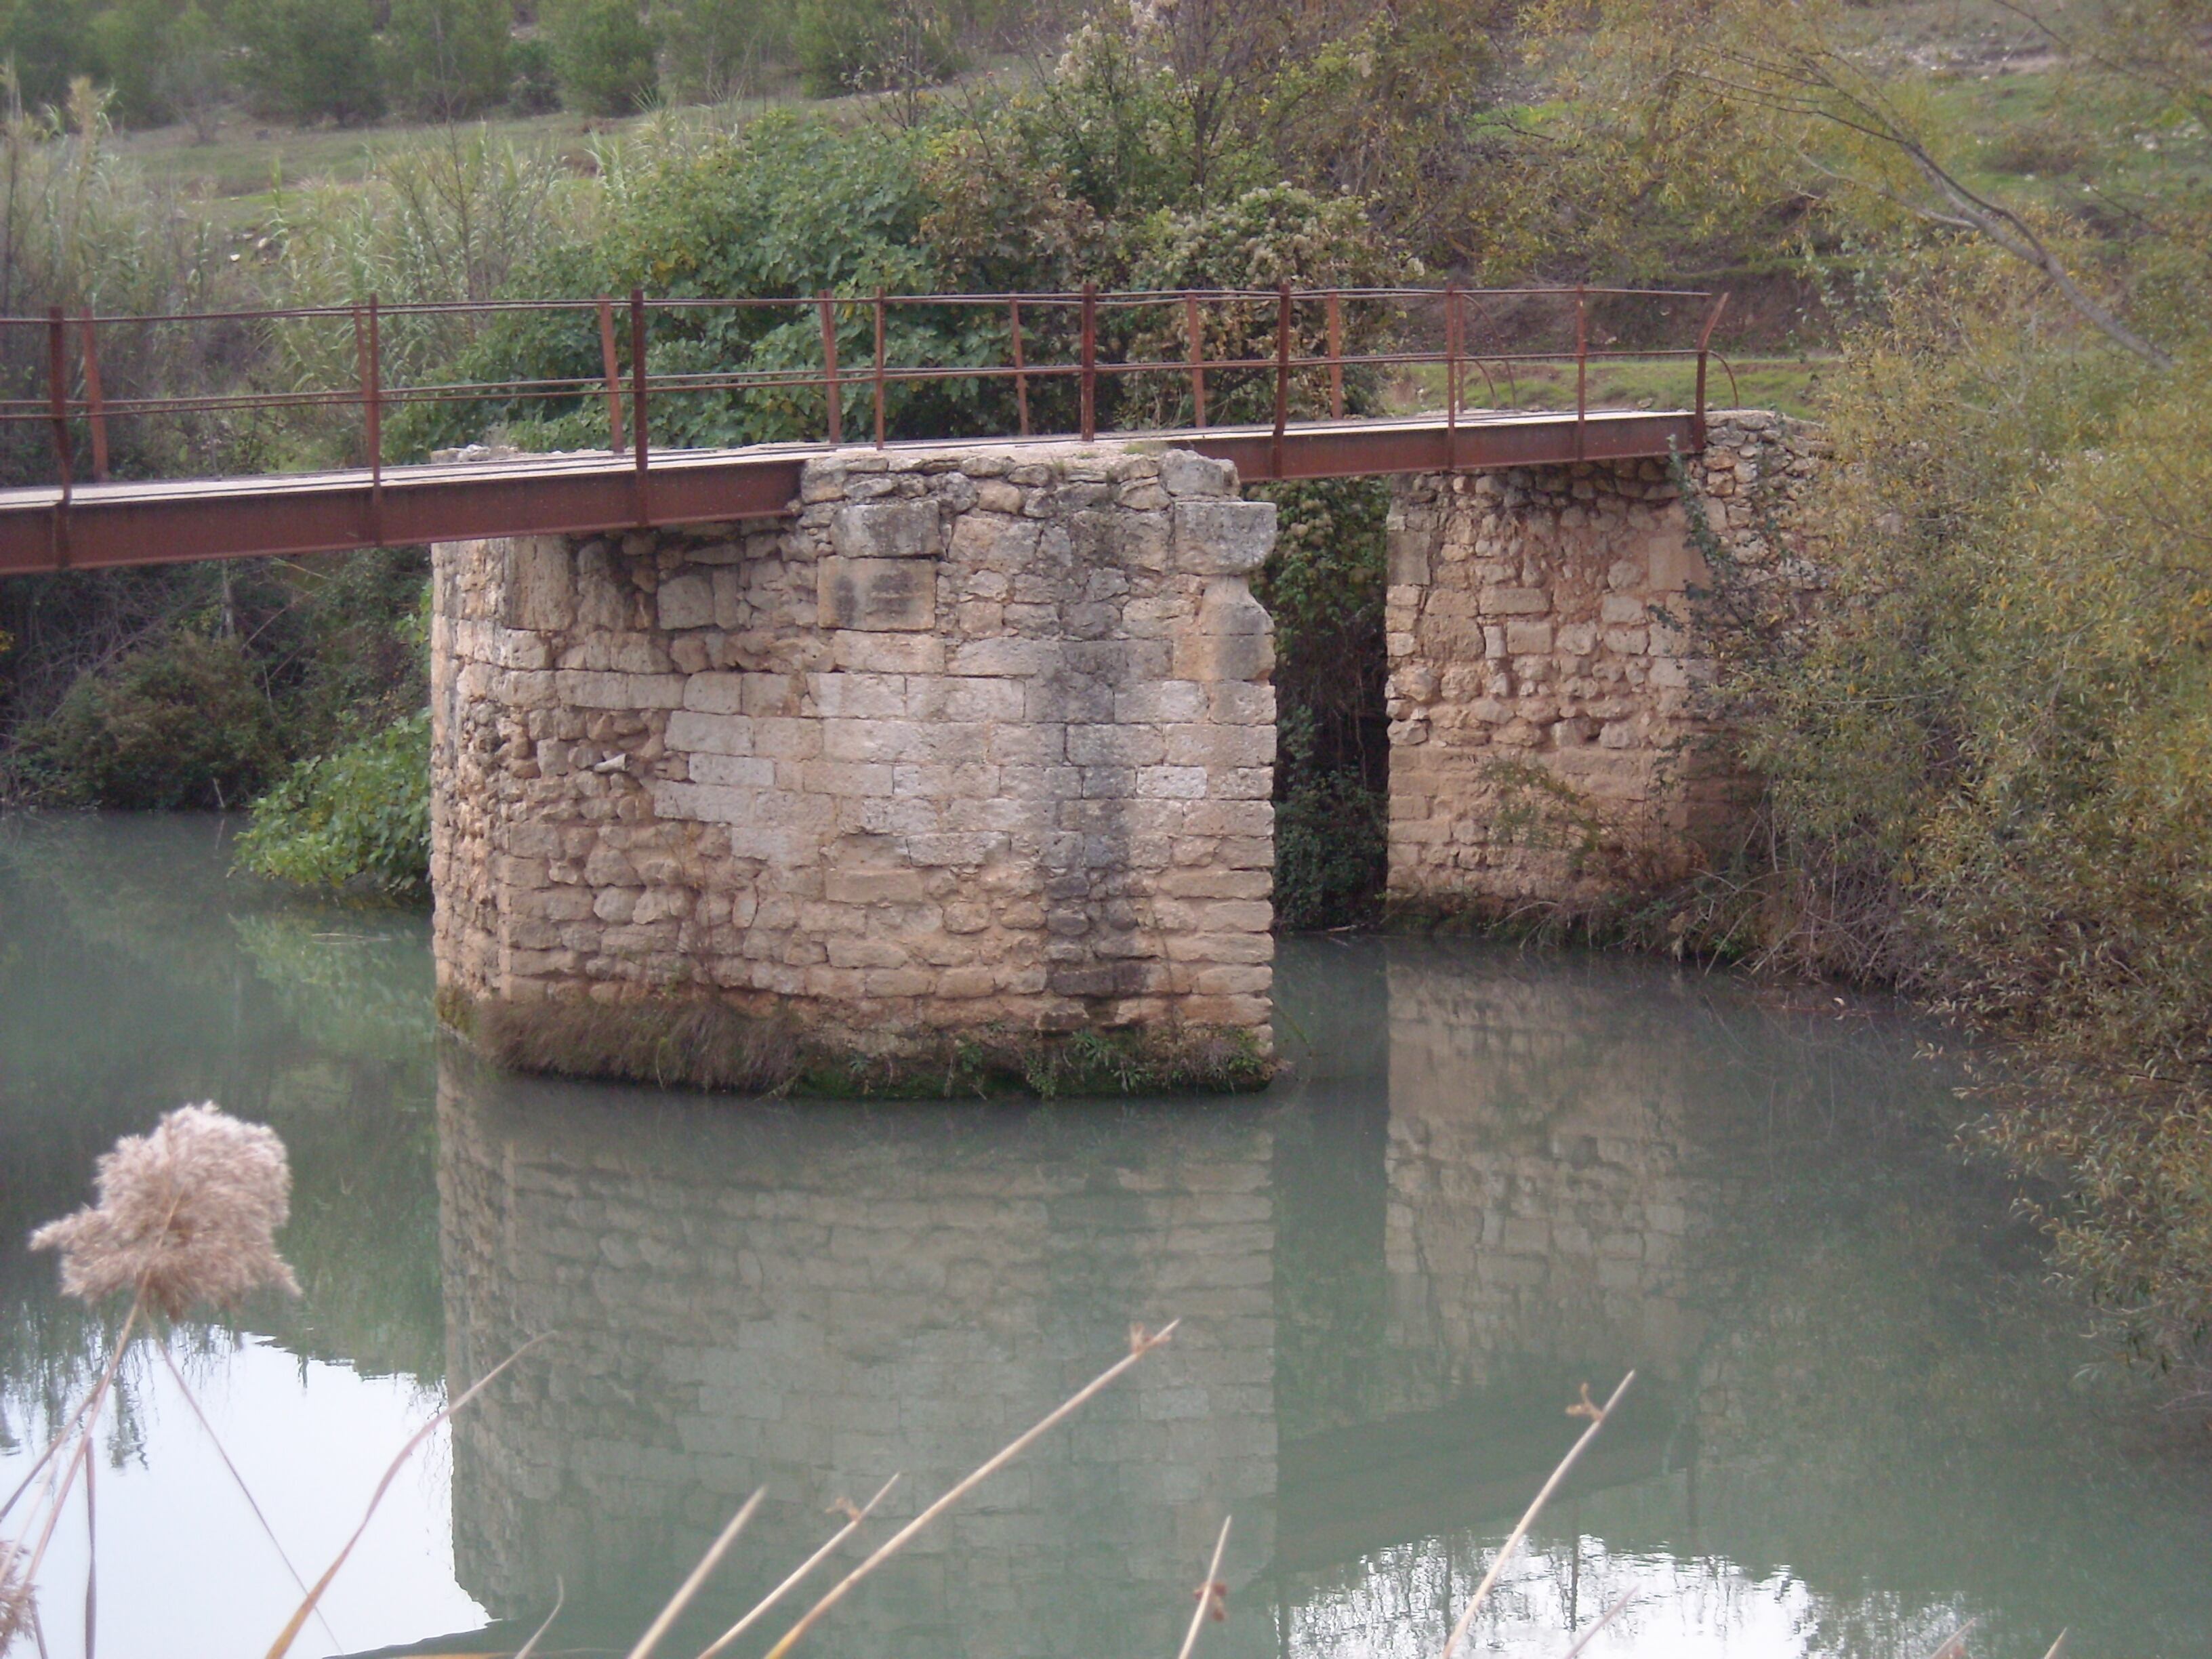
x=889 y=530
x=885 y=817
x=876 y=595
x=1537 y=616
x=1223 y=537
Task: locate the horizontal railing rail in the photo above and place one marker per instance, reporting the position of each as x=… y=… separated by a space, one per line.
x=1324 y=350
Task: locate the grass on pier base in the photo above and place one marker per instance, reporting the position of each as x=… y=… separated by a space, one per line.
x=676 y=1041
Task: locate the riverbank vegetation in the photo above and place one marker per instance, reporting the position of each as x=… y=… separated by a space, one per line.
x=1973 y=237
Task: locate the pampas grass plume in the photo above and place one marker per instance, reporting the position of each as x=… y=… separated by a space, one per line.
x=15 y=1595
x=186 y=1215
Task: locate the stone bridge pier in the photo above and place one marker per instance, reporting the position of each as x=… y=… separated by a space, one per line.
x=974 y=746
x=1549 y=745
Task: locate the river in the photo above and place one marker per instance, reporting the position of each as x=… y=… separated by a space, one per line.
x=1861 y=1417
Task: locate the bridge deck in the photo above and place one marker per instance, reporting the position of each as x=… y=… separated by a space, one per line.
x=99 y=526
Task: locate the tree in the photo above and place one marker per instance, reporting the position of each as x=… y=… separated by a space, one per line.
x=132 y=41
x=448 y=58
x=717 y=48
x=46 y=41
x=603 y=51
x=308 y=59
x=196 y=72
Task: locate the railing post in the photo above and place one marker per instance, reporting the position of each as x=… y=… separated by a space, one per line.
x=58 y=398
x=1335 y=355
x=375 y=412
x=879 y=368
x=1282 y=379
x=1195 y=331
x=1582 y=366
x=1090 y=395
x=611 y=364
x=829 y=367
x=1705 y=351
x=641 y=427
x=1452 y=377
x=1021 y=379
x=93 y=401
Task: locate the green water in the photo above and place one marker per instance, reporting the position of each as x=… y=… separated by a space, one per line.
x=1858 y=1421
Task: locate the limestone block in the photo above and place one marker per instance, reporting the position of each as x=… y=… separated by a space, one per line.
x=686 y=601
x=1230 y=608
x=540 y=591
x=1182 y=473
x=1410 y=546
x=1223 y=537
x=1514 y=601
x=878 y=595
x=588 y=689
x=888 y=530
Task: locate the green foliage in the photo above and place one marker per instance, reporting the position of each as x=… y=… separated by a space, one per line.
x=1332 y=851
x=305 y=60
x=1323 y=586
x=179 y=723
x=602 y=53
x=47 y=44
x=533 y=83
x=716 y=49
x=873 y=45
x=446 y=59
x=359 y=816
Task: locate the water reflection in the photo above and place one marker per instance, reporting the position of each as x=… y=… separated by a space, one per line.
x=1492 y=1179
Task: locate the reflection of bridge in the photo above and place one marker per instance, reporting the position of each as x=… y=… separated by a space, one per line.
x=1277 y=361
x=809 y=1300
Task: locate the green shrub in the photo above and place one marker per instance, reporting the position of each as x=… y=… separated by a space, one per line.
x=359 y=817
x=184 y=723
x=603 y=53
x=308 y=59
x=870 y=45
x=533 y=85
x=718 y=48
x=447 y=58
x=1331 y=852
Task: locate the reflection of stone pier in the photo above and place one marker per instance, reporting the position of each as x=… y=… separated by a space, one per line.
x=1538 y=1199
x=808 y=1302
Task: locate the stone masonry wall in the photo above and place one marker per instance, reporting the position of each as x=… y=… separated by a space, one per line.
x=1546 y=743
x=977 y=738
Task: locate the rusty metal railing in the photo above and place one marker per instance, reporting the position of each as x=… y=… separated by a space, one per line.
x=1347 y=355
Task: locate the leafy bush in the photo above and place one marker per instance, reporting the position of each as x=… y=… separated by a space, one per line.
x=1323 y=585
x=534 y=84
x=182 y=723
x=603 y=52
x=308 y=59
x=447 y=58
x=1332 y=851
x=360 y=816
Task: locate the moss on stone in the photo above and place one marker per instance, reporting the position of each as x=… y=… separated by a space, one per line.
x=691 y=1041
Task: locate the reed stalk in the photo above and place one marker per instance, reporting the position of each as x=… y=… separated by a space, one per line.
x=290 y=1633
x=798 y=1574
x=1597 y=1417
x=1140 y=1344
x=1209 y=1592
x=689 y=1588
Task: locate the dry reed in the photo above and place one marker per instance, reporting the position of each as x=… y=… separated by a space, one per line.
x=1212 y=1594
x=290 y=1633
x=689 y=1588
x=187 y=1214
x=798 y=1575
x=1597 y=1415
x=1141 y=1343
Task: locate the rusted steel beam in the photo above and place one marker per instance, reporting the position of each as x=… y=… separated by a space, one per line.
x=156 y=523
